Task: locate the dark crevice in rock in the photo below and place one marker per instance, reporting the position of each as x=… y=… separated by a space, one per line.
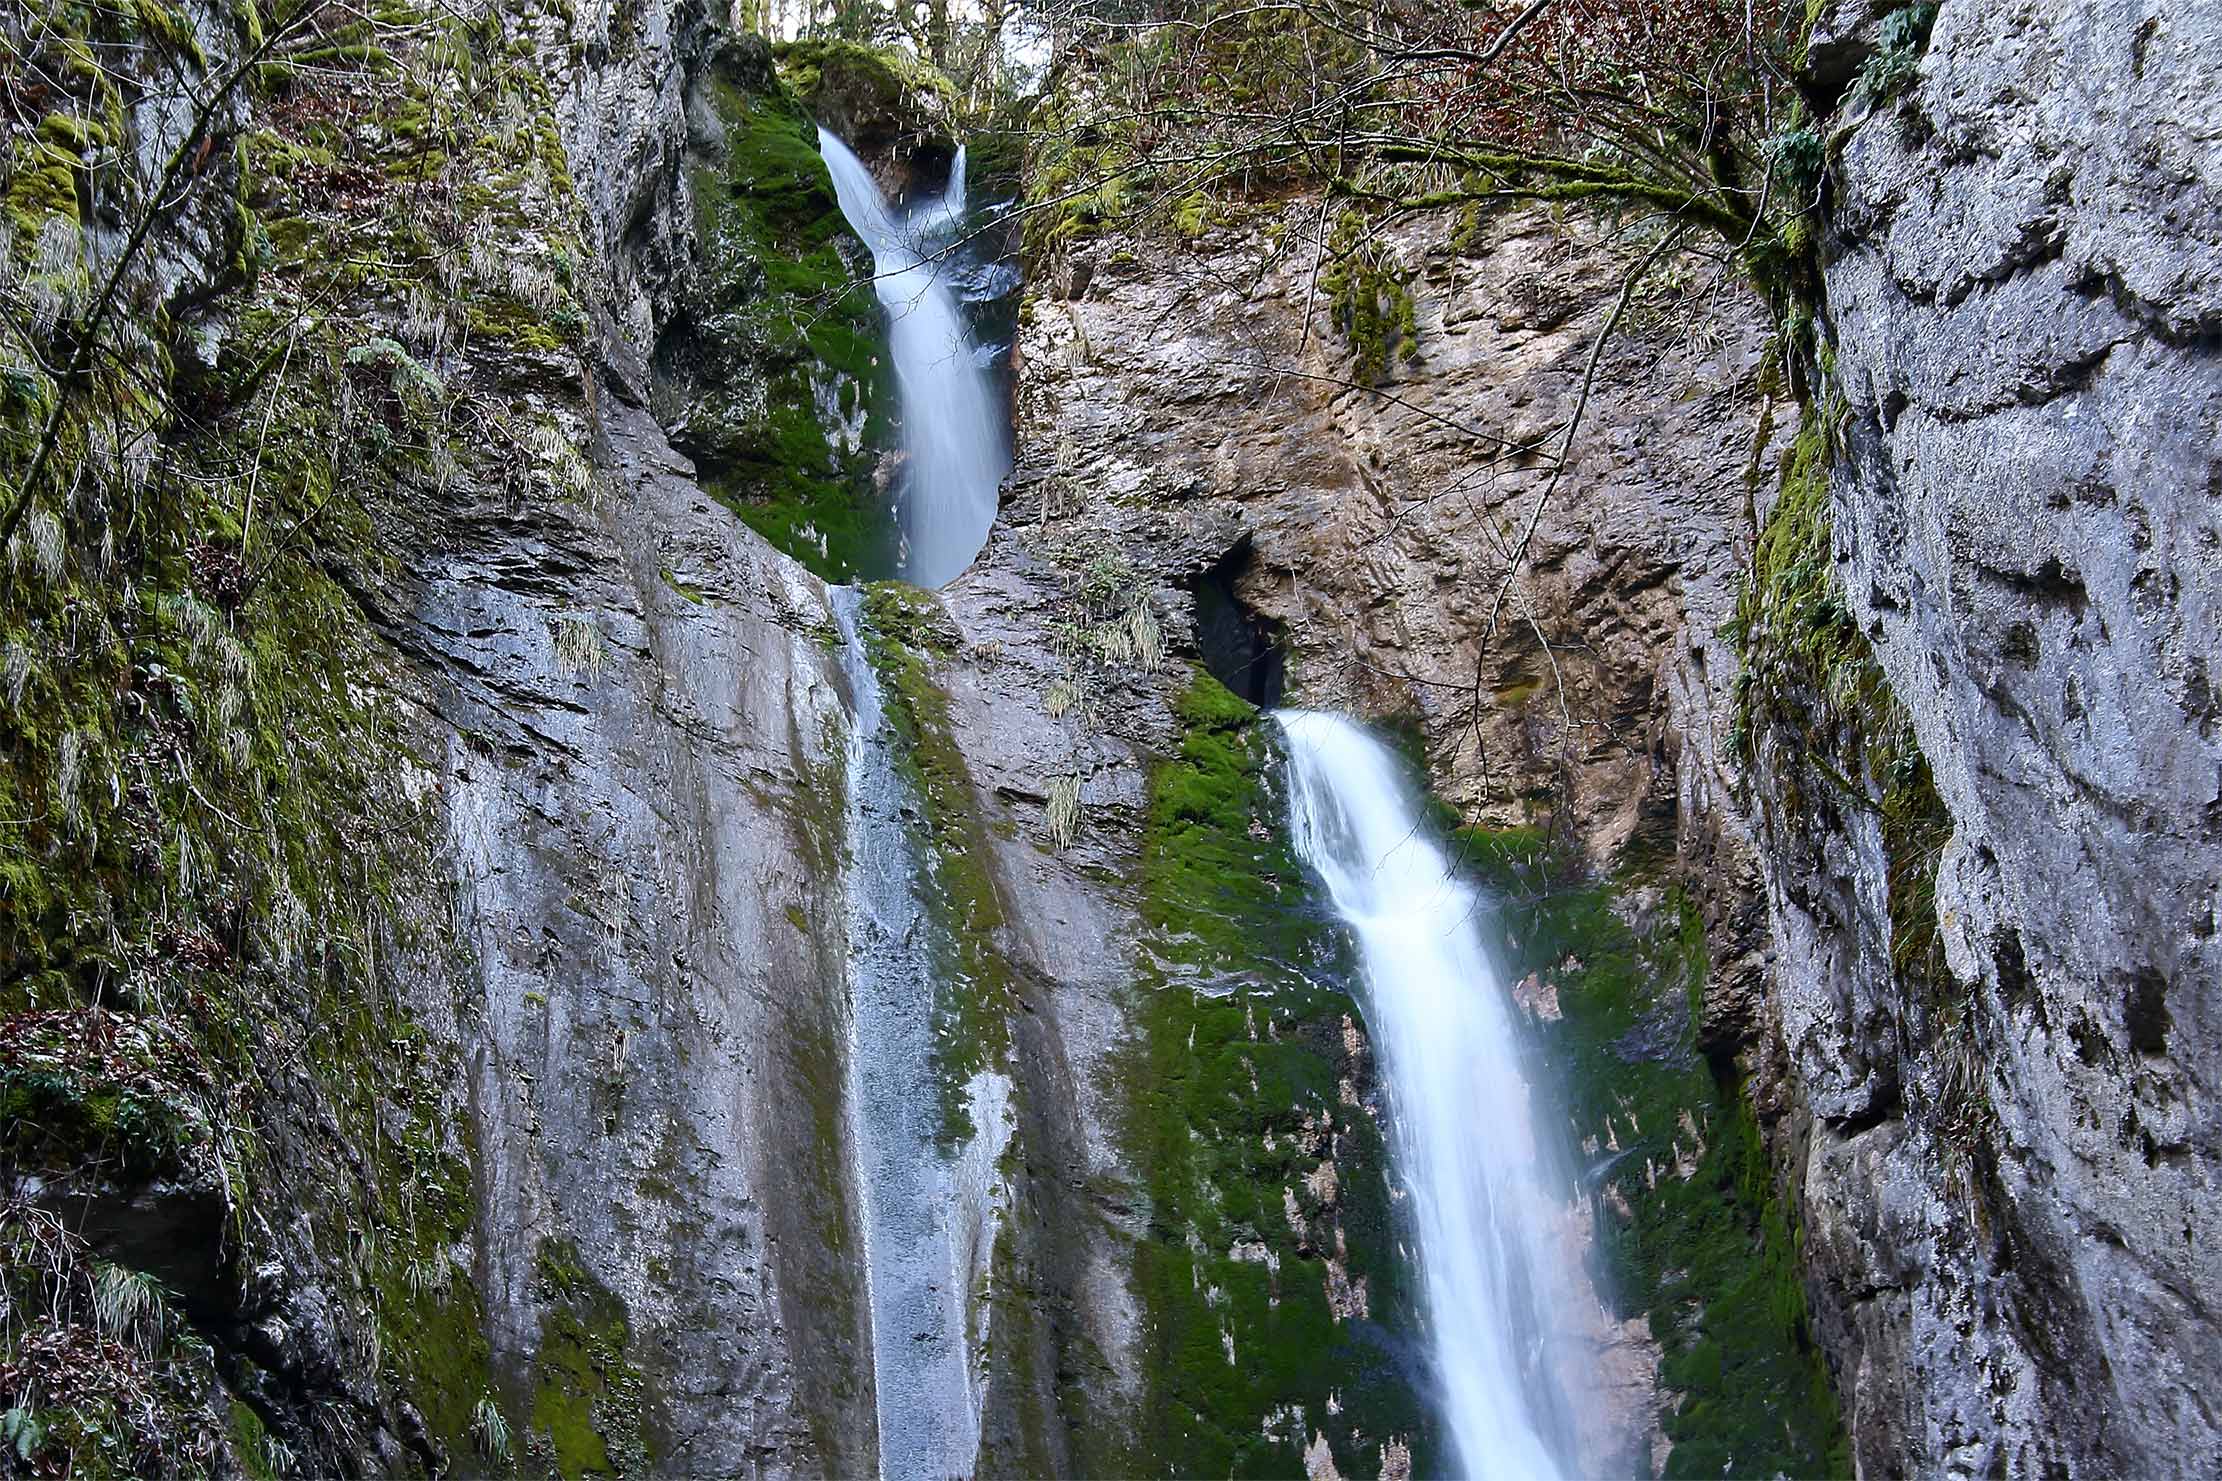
x=1242 y=649
x=2145 y=1013
x=2051 y=587
x=2200 y=334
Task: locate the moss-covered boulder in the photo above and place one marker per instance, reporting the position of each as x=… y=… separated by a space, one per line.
x=898 y=113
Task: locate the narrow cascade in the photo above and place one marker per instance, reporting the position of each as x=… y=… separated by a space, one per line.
x=1463 y=1140
x=954 y=448
x=928 y=1220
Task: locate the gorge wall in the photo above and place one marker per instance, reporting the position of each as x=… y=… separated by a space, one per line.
x=482 y=1107
x=2022 y=281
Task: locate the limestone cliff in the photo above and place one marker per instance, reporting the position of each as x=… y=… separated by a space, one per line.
x=2022 y=288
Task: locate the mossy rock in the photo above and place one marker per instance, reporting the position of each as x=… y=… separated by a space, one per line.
x=896 y=112
x=588 y=1400
x=907 y=633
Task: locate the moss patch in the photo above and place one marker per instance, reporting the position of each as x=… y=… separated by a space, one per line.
x=1690 y=1230
x=877 y=88
x=1814 y=709
x=587 y=1397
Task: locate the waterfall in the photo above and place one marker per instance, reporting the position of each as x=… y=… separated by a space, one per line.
x=953 y=443
x=928 y=1220
x=1464 y=1144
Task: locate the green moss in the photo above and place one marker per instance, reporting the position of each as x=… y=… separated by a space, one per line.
x=1810 y=683
x=532 y=331
x=686 y=589
x=42 y=181
x=62 y=1116
x=870 y=81
x=1369 y=297
x=250 y=1439
x=587 y=1397
x=431 y=1316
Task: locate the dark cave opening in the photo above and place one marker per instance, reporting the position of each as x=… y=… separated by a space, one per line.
x=1242 y=649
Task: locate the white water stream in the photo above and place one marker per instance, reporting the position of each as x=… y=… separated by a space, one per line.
x=1485 y=1219
x=953 y=444
x=928 y=1220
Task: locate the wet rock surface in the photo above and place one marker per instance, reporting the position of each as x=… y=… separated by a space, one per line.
x=641 y=724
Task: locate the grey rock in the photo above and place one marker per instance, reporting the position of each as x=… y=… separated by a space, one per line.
x=2024 y=280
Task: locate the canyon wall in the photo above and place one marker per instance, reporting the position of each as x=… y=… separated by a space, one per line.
x=1845 y=773
x=2022 y=287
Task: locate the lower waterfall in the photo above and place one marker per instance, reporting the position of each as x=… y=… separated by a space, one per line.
x=928 y=1219
x=1465 y=1146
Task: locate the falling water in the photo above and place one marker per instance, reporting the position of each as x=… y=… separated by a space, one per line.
x=1464 y=1143
x=953 y=442
x=928 y=1220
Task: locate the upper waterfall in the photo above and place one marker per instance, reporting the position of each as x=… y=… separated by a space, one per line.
x=1467 y=1150
x=953 y=441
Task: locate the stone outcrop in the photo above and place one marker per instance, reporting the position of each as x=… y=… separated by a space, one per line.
x=2025 y=291
x=898 y=114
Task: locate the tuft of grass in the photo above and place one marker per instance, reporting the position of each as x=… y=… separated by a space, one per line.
x=129 y=1306
x=1064 y=810
x=578 y=647
x=490 y=1430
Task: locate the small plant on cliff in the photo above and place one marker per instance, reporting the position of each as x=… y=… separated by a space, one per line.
x=1903 y=37
x=578 y=647
x=490 y=1430
x=1064 y=810
x=1370 y=297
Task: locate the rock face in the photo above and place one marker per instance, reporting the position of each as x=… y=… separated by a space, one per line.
x=641 y=731
x=2025 y=286
x=639 y=715
x=1377 y=523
